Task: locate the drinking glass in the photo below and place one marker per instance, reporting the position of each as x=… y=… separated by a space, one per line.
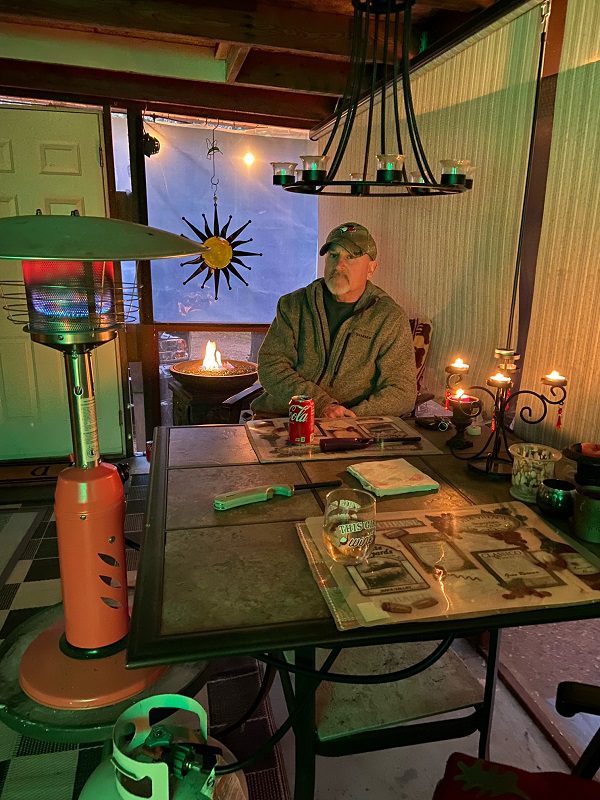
x=349 y=525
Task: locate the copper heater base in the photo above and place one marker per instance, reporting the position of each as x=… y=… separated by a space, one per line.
x=53 y=679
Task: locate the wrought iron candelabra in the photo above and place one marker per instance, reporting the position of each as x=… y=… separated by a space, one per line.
x=494 y=458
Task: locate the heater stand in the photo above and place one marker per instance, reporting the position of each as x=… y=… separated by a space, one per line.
x=80 y=663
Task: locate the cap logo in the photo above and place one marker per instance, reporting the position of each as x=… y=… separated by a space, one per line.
x=347 y=229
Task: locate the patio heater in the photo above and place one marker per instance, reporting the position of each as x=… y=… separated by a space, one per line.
x=71 y=303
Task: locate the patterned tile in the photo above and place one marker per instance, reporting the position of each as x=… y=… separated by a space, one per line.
x=48 y=549
x=87 y=762
x=15 y=618
x=37 y=594
x=31 y=549
x=7 y=595
x=9 y=742
x=43 y=569
x=19 y=572
x=44 y=777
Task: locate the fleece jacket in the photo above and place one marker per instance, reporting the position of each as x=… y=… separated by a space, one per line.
x=370 y=367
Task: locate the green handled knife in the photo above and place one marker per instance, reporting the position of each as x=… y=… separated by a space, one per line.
x=258 y=494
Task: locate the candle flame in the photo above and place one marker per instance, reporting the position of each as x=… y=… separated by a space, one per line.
x=500 y=377
x=459 y=393
x=212 y=357
x=458 y=363
x=554 y=376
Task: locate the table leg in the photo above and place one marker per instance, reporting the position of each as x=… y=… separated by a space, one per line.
x=304 y=727
x=487 y=710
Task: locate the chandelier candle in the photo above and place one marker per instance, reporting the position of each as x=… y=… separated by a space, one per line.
x=454 y=171
x=301 y=419
x=283 y=172
x=314 y=168
x=389 y=167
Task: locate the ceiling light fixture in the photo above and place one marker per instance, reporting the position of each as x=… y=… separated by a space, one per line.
x=376 y=25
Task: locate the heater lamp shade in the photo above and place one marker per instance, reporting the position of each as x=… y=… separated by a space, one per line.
x=75 y=238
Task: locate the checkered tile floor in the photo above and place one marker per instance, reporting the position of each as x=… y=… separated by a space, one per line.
x=34 y=770
x=30 y=769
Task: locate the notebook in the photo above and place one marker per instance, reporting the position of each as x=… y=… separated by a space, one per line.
x=395 y=476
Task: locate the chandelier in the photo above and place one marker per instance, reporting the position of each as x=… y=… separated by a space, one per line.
x=376 y=29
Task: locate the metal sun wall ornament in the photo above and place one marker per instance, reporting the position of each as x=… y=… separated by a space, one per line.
x=223 y=247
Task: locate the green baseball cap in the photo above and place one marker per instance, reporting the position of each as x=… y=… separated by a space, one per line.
x=354 y=238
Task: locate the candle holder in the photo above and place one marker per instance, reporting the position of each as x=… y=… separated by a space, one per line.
x=389 y=167
x=359 y=187
x=314 y=168
x=284 y=173
x=493 y=459
x=454 y=171
x=464 y=410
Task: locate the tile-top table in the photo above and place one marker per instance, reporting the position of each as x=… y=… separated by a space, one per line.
x=214 y=584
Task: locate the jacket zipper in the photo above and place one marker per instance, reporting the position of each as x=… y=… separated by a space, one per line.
x=324 y=369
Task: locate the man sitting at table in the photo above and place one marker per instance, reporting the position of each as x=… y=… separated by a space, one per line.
x=340 y=340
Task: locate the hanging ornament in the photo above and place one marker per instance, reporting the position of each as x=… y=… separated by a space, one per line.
x=224 y=247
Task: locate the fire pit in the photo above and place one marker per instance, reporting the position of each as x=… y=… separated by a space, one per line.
x=214 y=378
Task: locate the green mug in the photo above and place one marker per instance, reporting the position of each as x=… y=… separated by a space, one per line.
x=586 y=514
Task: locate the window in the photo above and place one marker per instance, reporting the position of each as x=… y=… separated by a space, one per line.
x=283 y=227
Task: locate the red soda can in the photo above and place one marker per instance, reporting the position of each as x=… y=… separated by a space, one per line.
x=301 y=419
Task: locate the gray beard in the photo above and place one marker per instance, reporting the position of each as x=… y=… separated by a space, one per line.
x=337 y=284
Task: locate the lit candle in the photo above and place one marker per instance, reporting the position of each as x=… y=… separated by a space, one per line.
x=463 y=405
x=457 y=366
x=499 y=380
x=554 y=379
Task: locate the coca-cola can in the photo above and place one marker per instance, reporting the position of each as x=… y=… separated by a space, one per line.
x=301 y=419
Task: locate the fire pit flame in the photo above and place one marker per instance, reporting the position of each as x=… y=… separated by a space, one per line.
x=214 y=377
x=212 y=358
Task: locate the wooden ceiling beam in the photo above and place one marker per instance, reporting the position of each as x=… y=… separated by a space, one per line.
x=257 y=24
x=235 y=61
x=120 y=88
x=294 y=73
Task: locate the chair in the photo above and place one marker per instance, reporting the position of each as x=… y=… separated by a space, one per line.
x=231 y=409
x=469 y=777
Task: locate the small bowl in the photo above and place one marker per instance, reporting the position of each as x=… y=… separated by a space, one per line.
x=556 y=497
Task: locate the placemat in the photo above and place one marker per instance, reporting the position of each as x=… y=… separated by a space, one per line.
x=484 y=559
x=269 y=438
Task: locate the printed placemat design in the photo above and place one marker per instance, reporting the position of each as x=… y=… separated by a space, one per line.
x=269 y=438
x=488 y=559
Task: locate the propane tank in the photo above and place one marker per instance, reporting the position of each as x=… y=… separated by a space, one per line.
x=164 y=761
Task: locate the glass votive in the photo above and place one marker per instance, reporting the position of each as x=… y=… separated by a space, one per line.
x=314 y=168
x=454 y=171
x=389 y=167
x=283 y=173
x=532 y=464
x=556 y=497
x=358 y=189
x=349 y=525
x=416 y=177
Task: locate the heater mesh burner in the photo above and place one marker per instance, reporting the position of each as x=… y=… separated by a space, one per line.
x=57 y=307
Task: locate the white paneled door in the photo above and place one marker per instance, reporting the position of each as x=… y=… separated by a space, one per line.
x=51 y=159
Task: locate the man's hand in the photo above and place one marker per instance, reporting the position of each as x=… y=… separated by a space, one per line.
x=335 y=410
